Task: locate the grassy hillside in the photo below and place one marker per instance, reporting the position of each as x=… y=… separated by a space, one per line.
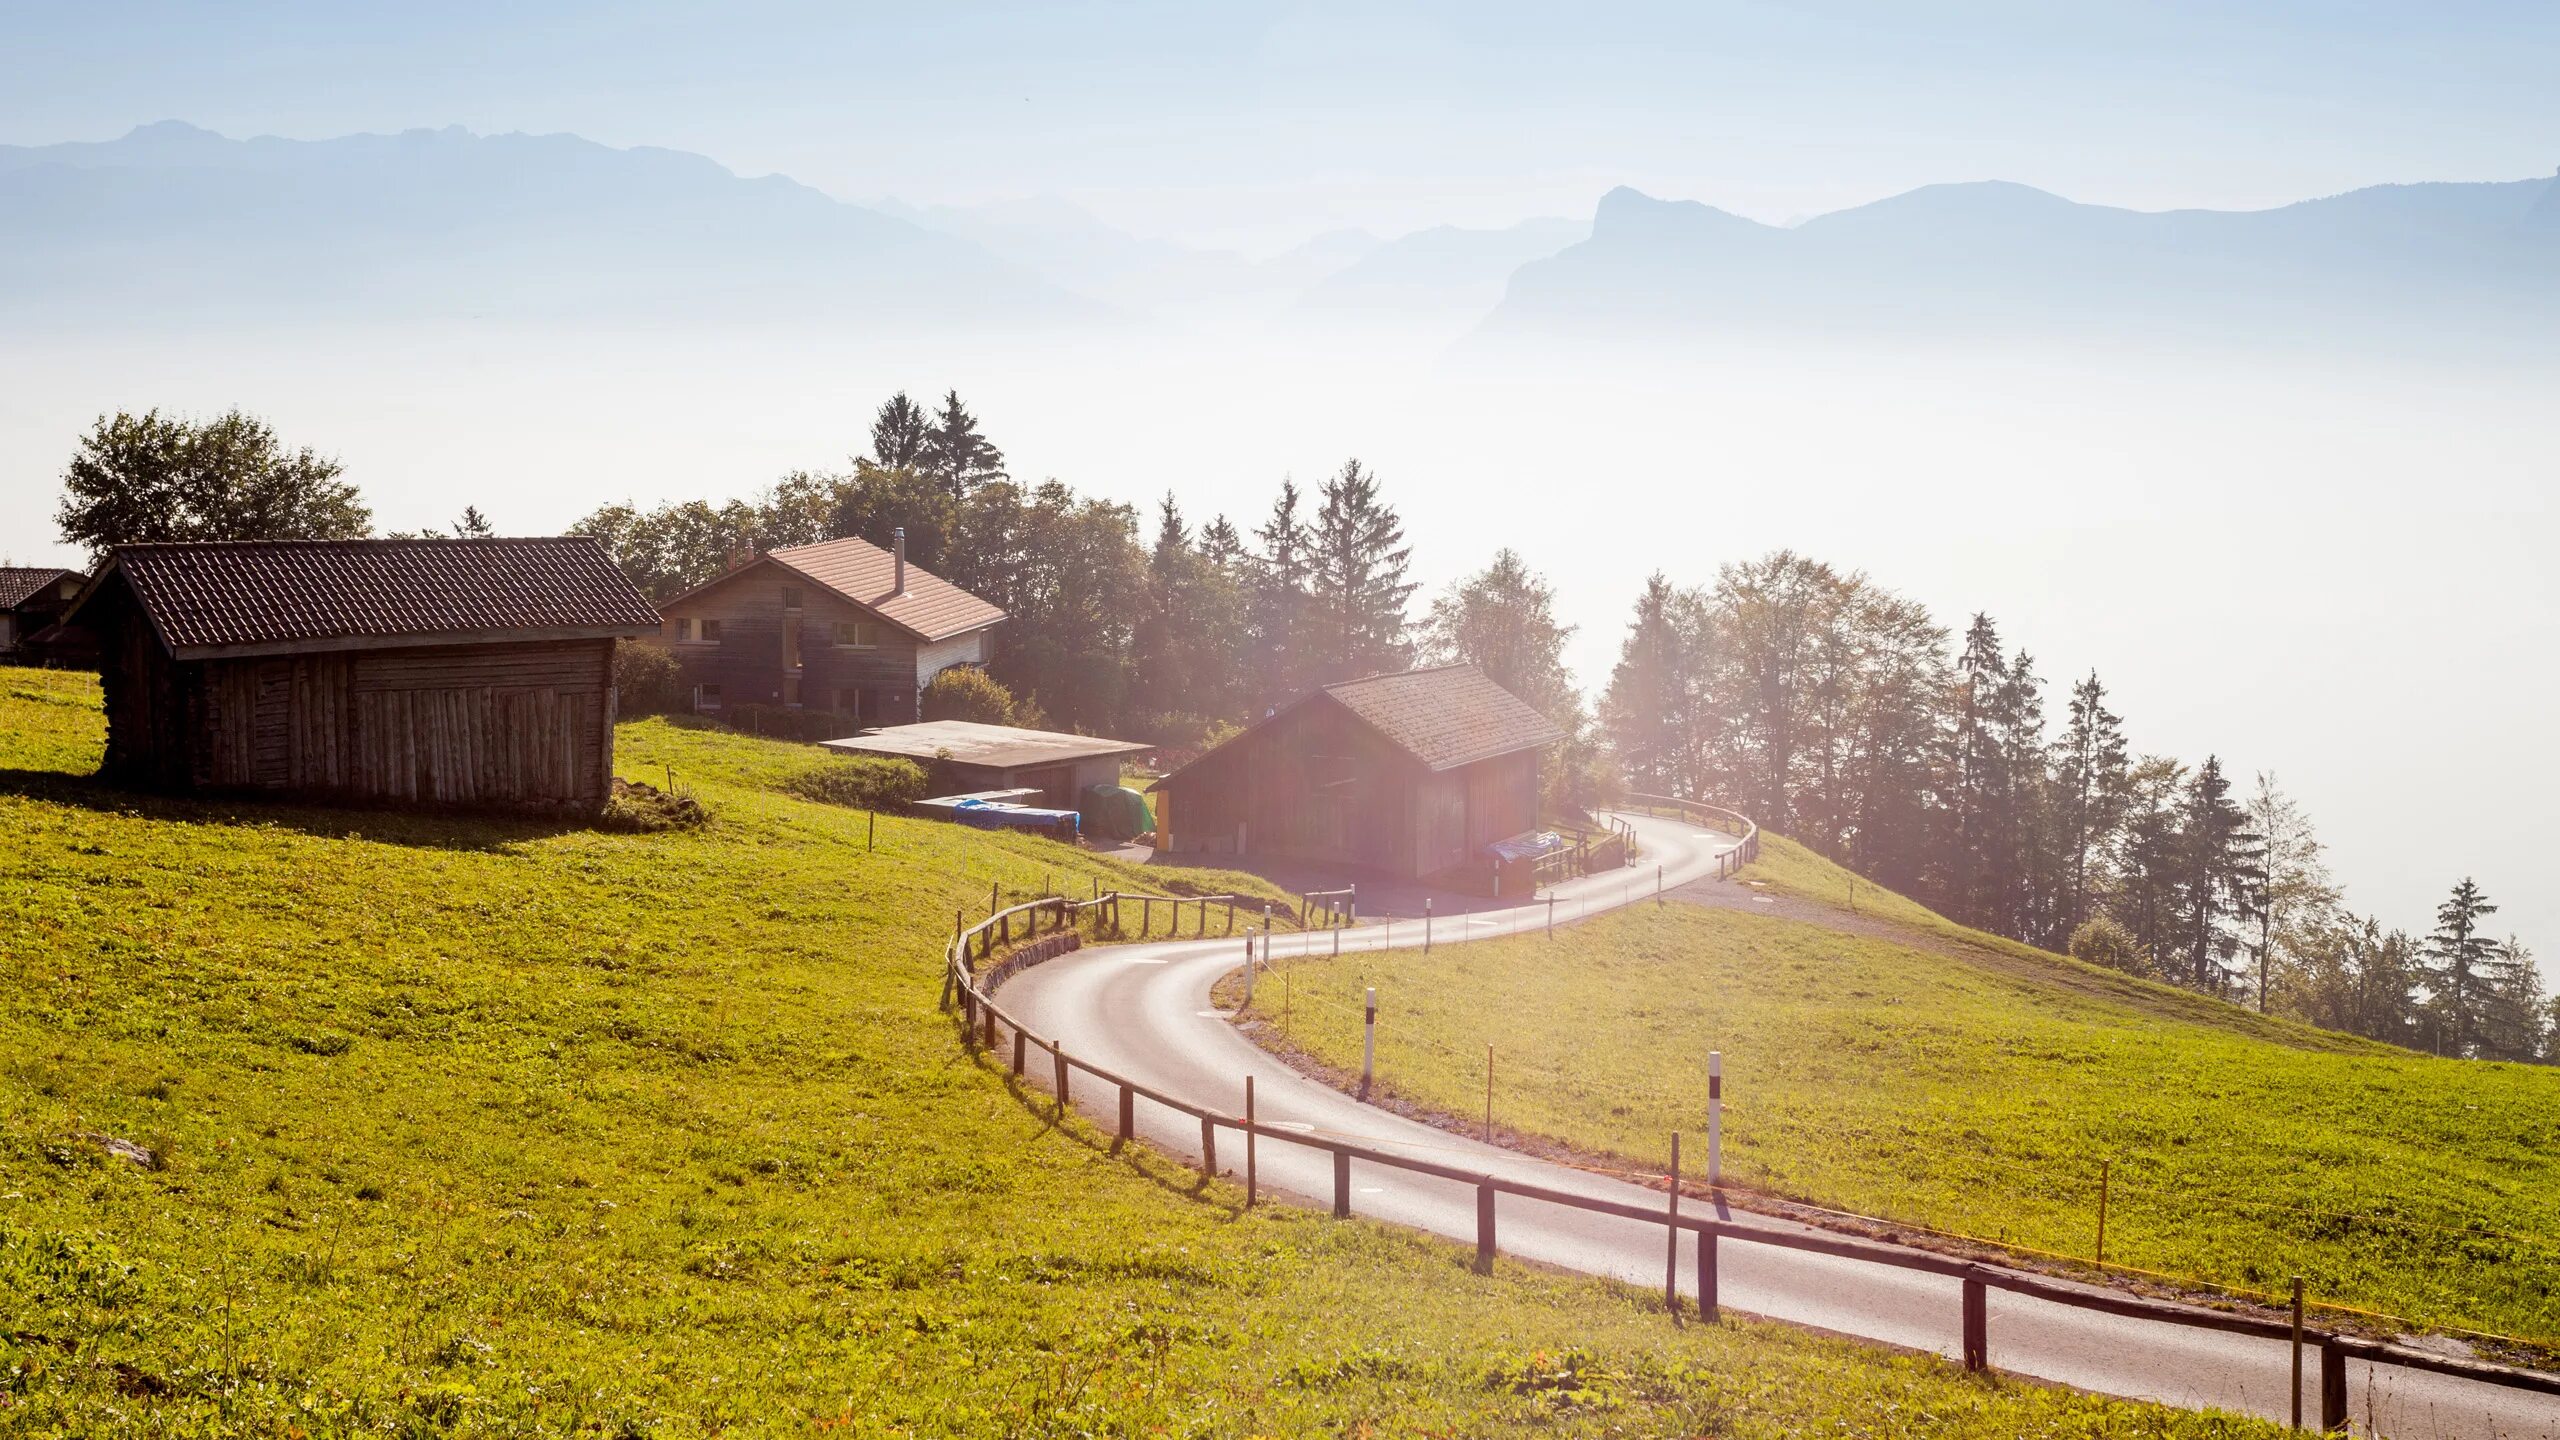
x=496 y=1128
x=1981 y=1096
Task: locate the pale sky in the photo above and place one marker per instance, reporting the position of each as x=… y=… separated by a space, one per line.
x=1258 y=124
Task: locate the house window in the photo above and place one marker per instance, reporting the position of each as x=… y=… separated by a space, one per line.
x=790 y=597
x=683 y=627
x=849 y=702
x=791 y=692
x=706 y=698
x=709 y=629
x=859 y=634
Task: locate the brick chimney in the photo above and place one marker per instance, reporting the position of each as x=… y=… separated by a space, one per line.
x=898 y=548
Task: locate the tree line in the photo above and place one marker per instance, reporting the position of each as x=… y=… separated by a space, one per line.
x=1159 y=626
x=1844 y=716
x=1832 y=709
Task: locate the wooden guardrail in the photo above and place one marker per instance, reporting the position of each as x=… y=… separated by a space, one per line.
x=983 y=1021
x=1714 y=817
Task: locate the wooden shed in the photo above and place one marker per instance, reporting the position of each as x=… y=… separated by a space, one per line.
x=31 y=600
x=1409 y=775
x=443 y=672
x=967 y=755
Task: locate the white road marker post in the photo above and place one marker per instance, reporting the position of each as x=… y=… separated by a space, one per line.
x=1715 y=1118
x=1248 y=972
x=1551 y=914
x=1369 y=1045
x=1426 y=925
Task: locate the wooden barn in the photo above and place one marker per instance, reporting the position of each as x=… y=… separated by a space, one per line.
x=31 y=600
x=460 y=673
x=841 y=625
x=1409 y=775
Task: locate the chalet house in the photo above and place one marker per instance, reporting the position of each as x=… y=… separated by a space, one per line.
x=441 y=672
x=1409 y=775
x=841 y=625
x=31 y=600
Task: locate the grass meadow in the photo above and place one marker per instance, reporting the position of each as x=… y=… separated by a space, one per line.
x=457 y=1126
x=1982 y=1096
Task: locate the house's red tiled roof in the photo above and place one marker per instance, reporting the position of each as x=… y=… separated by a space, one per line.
x=1446 y=717
x=932 y=608
x=245 y=595
x=19 y=584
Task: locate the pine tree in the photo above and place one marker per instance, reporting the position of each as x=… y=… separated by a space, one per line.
x=1356 y=579
x=898 y=434
x=1650 y=697
x=954 y=454
x=2458 y=965
x=473 y=525
x=2095 y=769
x=2221 y=869
x=1279 y=605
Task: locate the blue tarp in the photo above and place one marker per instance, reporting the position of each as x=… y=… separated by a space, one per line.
x=995 y=815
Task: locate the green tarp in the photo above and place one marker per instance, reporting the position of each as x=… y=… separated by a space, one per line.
x=1113 y=813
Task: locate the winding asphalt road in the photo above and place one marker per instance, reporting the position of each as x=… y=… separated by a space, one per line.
x=1144 y=1011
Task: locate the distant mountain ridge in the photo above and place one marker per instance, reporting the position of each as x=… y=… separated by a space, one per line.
x=174 y=219
x=1997 y=257
x=171 y=221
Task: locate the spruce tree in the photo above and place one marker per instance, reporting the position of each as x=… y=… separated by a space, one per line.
x=1356 y=579
x=898 y=433
x=954 y=454
x=2222 y=866
x=1279 y=606
x=2459 y=963
x=2094 y=766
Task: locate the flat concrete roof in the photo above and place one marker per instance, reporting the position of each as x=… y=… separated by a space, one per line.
x=967 y=742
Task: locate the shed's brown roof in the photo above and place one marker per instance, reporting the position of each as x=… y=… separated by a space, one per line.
x=932 y=608
x=245 y=597
x=19 y=584
x=1446 y=717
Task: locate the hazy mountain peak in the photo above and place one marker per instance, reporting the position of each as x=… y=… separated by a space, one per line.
x=1627 y=213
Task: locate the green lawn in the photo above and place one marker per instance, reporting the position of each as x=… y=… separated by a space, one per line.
x=487 y=1127
x=1981 y=1098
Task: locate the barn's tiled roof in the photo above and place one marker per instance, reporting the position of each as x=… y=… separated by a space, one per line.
x=931 y=609
x=262 y=593
x=19 y=584
x=1446 y=717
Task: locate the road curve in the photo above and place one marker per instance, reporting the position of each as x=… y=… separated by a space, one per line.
x=1144 y=1011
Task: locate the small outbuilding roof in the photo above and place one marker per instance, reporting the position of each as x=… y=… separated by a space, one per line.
x=19 y=584
x=929 y=608
x=219 y=598
x=995 y=747
x=1447 y=716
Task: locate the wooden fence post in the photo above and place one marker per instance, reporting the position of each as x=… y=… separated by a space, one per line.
x=1977 y=1326
x=2297 y=1352
x=1671 y=1259
x=2333 y=1386
x=1341 y=1185
x=1128 y=1118
x=1208 y=1149
x=987 y=1018
x=1484 y=1228
x=1058 y=1054
x=1019 y=1041
x=1707 y=1304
